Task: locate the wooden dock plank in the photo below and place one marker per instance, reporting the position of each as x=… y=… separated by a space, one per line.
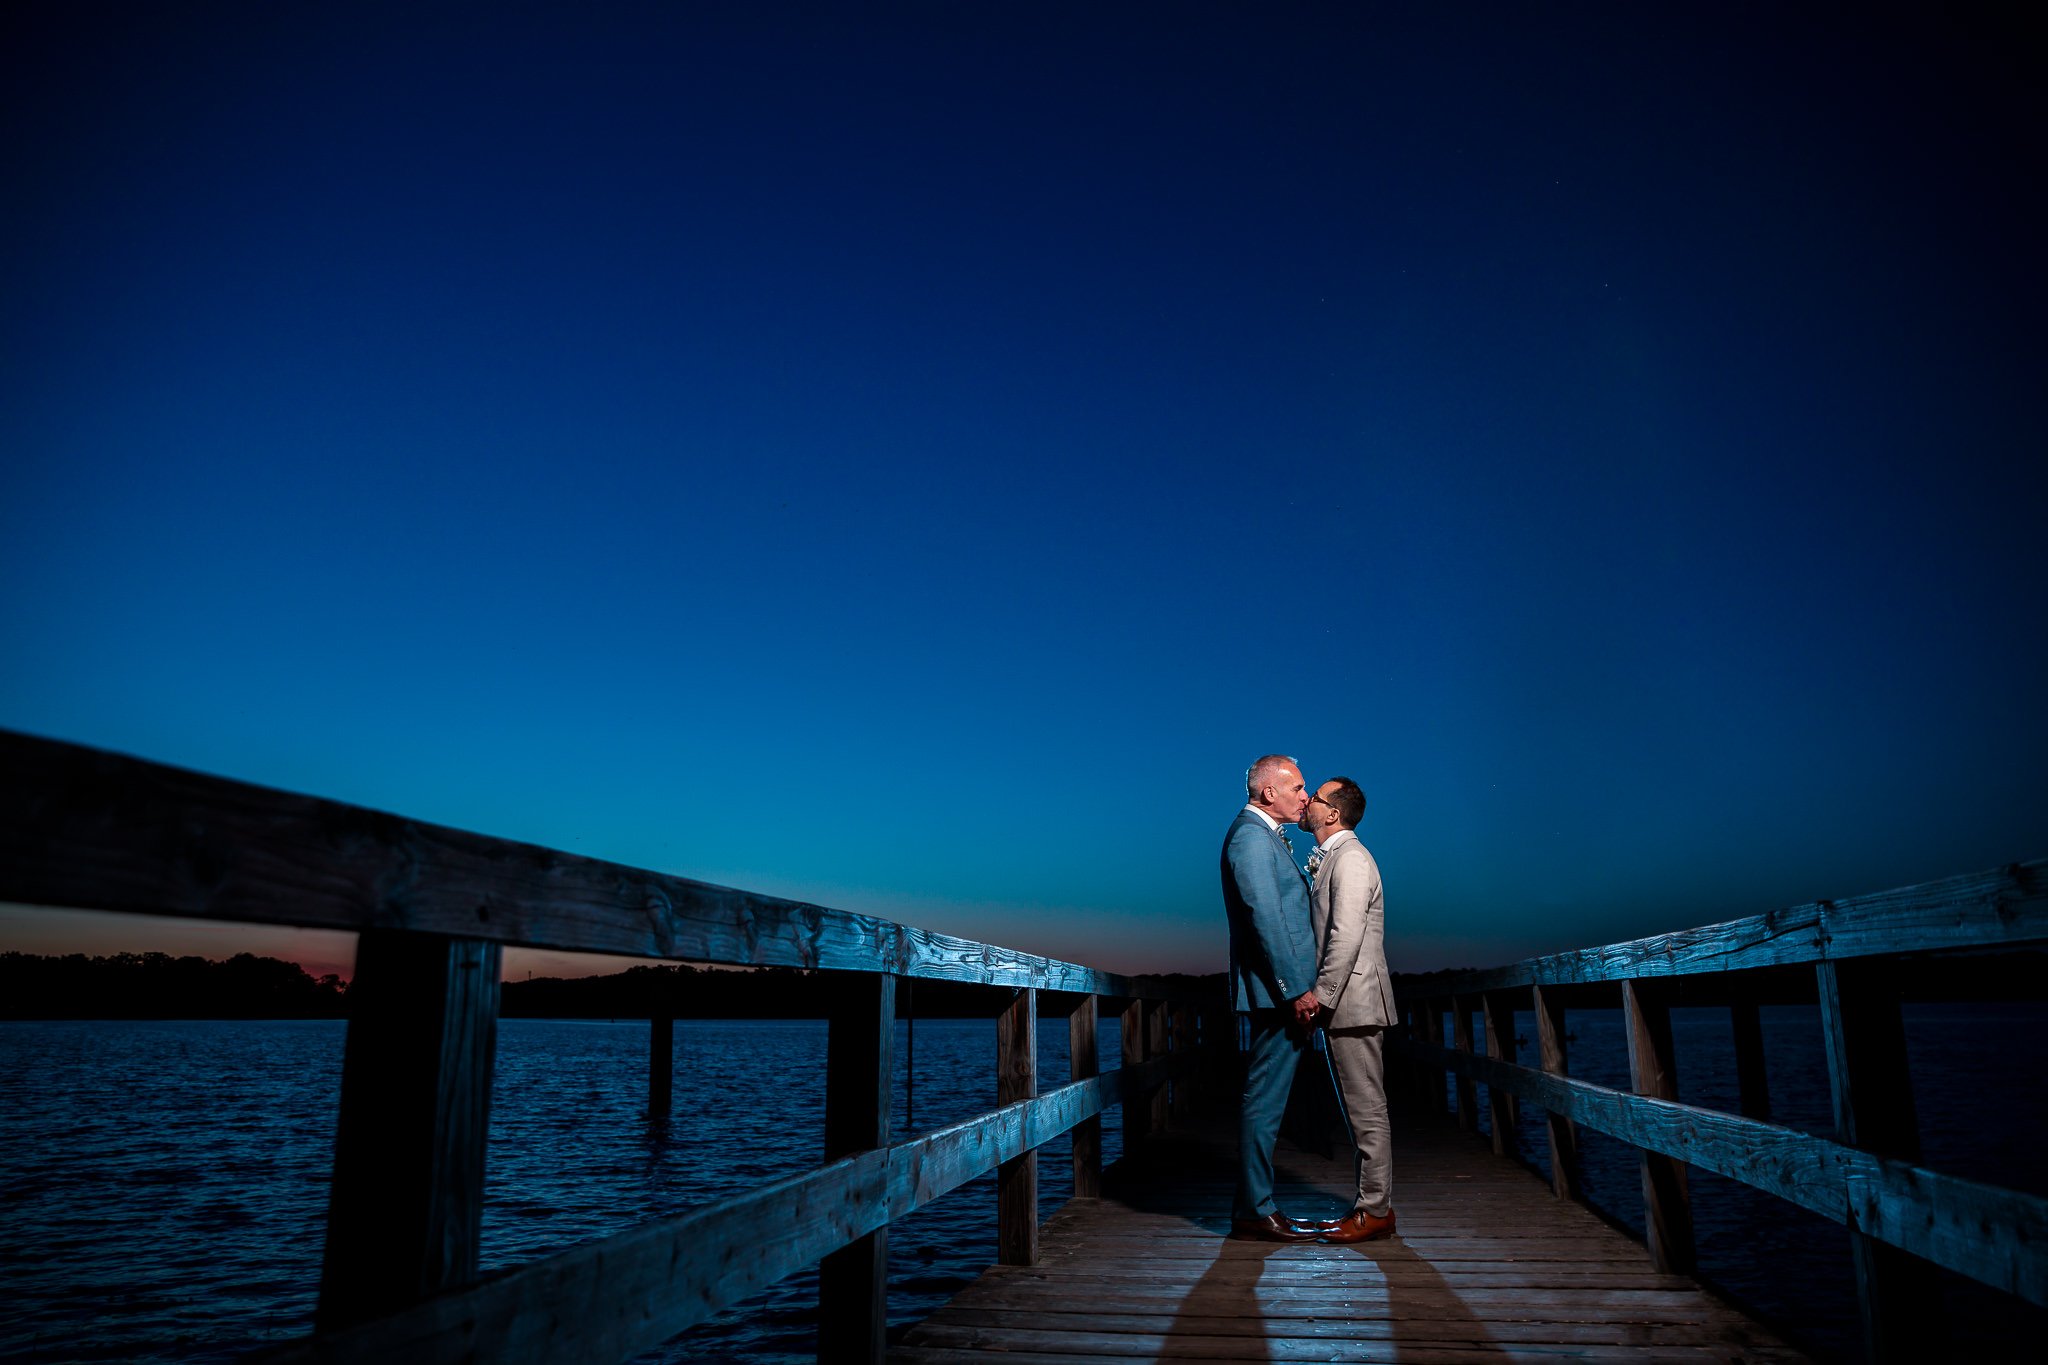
x=1488 y=1266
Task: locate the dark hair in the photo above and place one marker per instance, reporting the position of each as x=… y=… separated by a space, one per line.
x=1348 y=801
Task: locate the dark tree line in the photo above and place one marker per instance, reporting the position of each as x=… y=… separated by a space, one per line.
x=159 y=986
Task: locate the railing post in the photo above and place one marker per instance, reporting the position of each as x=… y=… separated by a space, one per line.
x=406 y=1205
x=1184 y=1054
x=853 y=1282
x=1137 y=1111
x=1564 y=1136
x=1432 y=1065
x=1461 y=1036
x=1750 y=1078
x=1082 y=1064
x=1653 y=1070
x=661 y=1065
x=1155 y=1046
x=1017 y=1178
x=1500 y=1045
x=1873 y=1094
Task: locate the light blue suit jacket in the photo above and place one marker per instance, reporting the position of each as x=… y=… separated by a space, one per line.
x=1272 y=944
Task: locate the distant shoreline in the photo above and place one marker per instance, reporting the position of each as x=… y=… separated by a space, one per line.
x=142 y=986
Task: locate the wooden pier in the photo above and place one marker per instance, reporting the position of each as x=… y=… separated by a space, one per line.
x=1488 y=1263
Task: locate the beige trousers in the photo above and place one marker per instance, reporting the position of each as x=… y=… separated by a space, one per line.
x=1361 y=1080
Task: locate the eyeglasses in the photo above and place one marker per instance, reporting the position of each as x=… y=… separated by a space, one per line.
x=1319 y=797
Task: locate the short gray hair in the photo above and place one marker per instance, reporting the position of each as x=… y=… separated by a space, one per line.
x=1261 y=769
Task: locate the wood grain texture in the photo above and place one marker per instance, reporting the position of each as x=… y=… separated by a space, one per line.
x=616 y=1297
x=1017 y=1178
x=1461 y=1038
x=1993 y=1235
x=1131 y=1039
x=86 y=829
x=1487 y=1267
x=406 y=1208
x=2002 y=907
x=1497 y=1009
x=853 y=1281
x=1553 y=1057
x=1082 y=1065
x=1653 y=1070
x=1898 y=1300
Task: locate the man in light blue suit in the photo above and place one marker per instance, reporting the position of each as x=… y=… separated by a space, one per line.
x=1273 y=961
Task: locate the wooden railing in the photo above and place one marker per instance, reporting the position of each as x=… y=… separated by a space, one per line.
x=1858 y=959
x=433 y=907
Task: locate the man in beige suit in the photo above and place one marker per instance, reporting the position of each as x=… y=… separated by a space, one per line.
x=1348 y=910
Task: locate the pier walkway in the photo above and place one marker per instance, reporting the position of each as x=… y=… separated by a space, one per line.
x=1488 y=1265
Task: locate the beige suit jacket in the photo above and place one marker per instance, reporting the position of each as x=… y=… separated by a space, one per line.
x=1348 y=909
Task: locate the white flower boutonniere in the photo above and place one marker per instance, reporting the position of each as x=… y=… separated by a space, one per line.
x=1315 y=861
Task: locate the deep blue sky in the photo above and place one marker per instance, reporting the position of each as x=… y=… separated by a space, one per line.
x=914 y=460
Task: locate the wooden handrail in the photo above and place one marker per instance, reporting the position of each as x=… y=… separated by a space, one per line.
x=1988 y=1233
x=1856 y=954
x=636 y=1289
x=433 y=907
x=86 y=829
x=2004 y=907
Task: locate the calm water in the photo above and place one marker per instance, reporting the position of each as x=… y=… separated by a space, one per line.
x=163 y=1185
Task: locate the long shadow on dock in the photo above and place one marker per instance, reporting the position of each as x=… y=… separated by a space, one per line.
x=1488 y=1266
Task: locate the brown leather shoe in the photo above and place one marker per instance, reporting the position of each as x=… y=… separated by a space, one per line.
x=1360 y=1226
x=1274 y=1227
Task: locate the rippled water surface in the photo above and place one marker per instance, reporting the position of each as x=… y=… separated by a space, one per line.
x=163 y=1185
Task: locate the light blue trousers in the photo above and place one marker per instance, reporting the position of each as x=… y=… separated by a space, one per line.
x=1269 y=1076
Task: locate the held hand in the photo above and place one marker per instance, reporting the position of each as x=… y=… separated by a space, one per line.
x=1306 y=1009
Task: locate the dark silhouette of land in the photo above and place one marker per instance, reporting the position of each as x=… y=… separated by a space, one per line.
x=159 y=986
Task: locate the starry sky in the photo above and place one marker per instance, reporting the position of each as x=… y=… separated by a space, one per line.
x=913 y=457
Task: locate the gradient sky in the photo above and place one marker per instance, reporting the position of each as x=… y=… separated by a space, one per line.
x=912 y=458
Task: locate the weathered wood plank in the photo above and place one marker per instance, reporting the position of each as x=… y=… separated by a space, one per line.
x=1872 y=1086
x=1139 y=1275
x=406 y=1208
x=1500 y=1042
x=1131 y=1034
x=1017 y=1178
x=1653 y=1070
x=853 y=1281
x=1461 y=1038
x=1156 y=1046
x=1996 y=1236
x=2001 y=907
x=1182 y=1024
x=621 y=1295
x=1552 y=1056
x=1028 y=1345
x=91 y=830
x=1082 y=1065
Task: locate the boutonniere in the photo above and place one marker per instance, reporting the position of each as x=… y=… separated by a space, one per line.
x=1315 y=860
x=1285 y=840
